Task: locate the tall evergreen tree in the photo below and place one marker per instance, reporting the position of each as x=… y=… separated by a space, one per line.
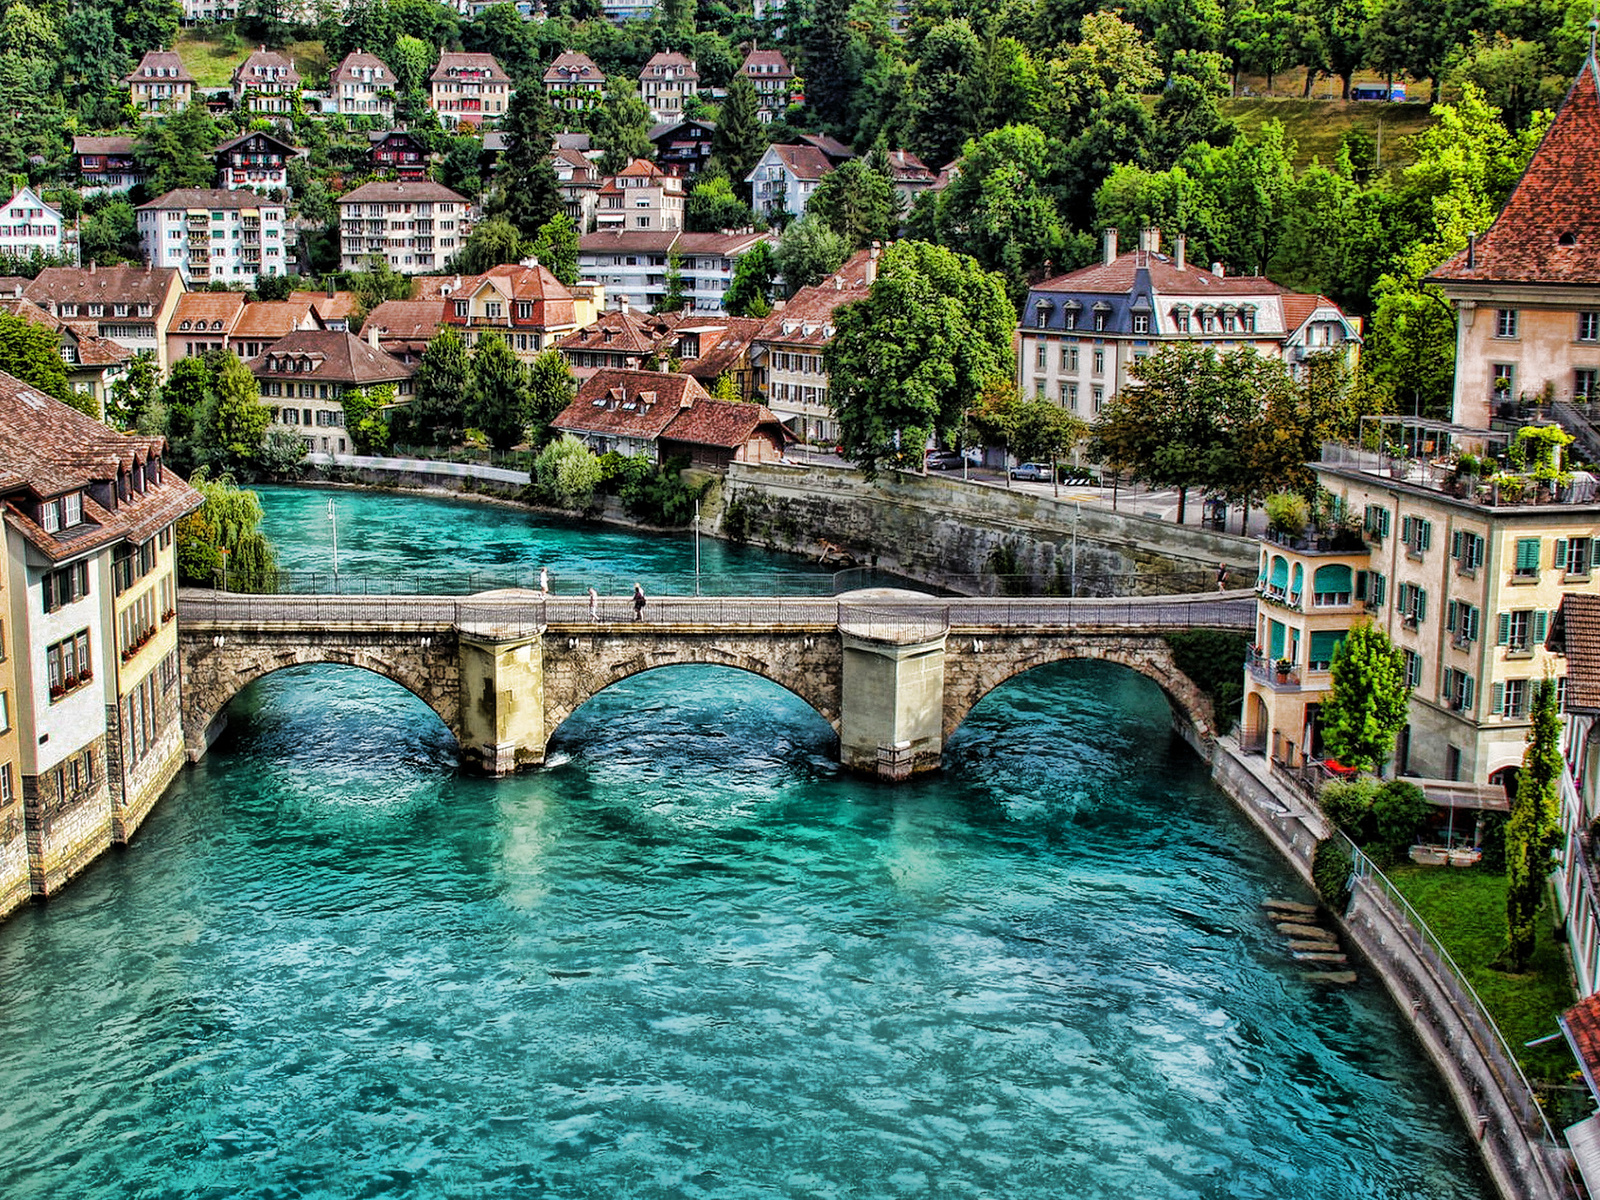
x=1534 y=830
x=739 y=139
x=526 y=191
x=497 y=399
x=1369 y=699
x=439 y=386
x=825 y=56
x=622 y=126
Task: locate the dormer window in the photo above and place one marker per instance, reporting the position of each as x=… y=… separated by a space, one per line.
x=120 y=310
x=97 y=310
x=144 y=310
x=183 y=326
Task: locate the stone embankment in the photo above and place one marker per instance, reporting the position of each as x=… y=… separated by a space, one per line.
x=1516 y=1144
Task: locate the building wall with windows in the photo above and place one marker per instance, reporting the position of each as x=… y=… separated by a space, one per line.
x=1515 y=347
x=13 y=843
x=1467 y=590
x=415 y=226
x=212 y=235
x=89 y=622
x=27 y=224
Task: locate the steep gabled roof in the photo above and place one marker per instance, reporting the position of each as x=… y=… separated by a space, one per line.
x=573 y=66
x=1549 y=230
x=206 y=308
x=288 y=149
x=803 y=162
x=661 y=63
x=268 y=320
x=619 y=331
x=726 y=424
x=359 y=61
x=405 y=320
x=335 y=357
x=766 y=64
x=621 y=403
x=160 y=64
x=93 y=350
x=266 y=66
x=1577 y=635
x=484 y=66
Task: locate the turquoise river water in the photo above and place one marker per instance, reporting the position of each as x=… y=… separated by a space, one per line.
x=690 y=957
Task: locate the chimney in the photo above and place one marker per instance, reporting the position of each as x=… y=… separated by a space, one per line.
x=1472 y=250
x=372 y=334
x=330 y=287
x=871 y=273
x=1179 y=245
x=622 y=305
x=1216 y=269
x=91 y=266
x=1110 y=245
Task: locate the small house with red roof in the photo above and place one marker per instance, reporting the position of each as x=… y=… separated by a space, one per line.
x=1084 y=332
x=266 y=84
x=522 y=302
x=303 y=377
x=714 y=433
x=160 y=83
x=640 y=197
x=469 y=89
x=666 y=81
x=1527 y=291
x=202 y=322
x=662 y=414
x=574 y=82
x=785 y=177
x=773 y=79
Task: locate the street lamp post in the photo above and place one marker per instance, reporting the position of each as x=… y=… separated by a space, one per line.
x=333 y=520
x=697 y=547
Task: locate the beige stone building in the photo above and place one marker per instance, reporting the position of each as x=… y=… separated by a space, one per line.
x=160 y=83
x=666 y=81
x=1528 y=291
x=414 y=226
x=90 y=632
x=469 y=89
x=13 y=845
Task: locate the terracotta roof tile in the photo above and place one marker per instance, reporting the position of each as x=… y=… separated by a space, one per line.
x=268 y=320
x=401 y=191
x=1577 y=634
x=450 y=64
x=1549 y=229
x=573 y=66
x=349 y=70
x=334 y=356
x=405 y=320
x=120 y=285
x=622 y=403
x=1581 y=1024
x=722 y=423
x=208 y=307
x=160 y=60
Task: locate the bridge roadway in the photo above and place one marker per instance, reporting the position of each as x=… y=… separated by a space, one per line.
x=894 y=672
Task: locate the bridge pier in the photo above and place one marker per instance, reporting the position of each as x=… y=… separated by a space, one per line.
x=502 y=700
x=892 y=695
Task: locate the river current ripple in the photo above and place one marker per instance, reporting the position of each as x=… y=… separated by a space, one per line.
x=691 y=958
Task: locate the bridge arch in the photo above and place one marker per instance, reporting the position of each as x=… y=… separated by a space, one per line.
x=576 y=672
x=214 y=672
x=975 y=666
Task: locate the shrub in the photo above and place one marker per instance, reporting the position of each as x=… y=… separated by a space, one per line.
x=1331 y=871
x=1287 y=513
x=1214 y=660
x=1399 y=812
x=1348 y=804
x=565 y=474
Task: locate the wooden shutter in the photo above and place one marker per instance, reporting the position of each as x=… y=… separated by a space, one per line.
x=1497 y=700
x=1503 y=638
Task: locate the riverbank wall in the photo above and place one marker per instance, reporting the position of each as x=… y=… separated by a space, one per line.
x=1484 y=1082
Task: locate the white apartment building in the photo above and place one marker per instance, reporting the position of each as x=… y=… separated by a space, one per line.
x=415 y=226
x=212 y=234
x=27 y=224
x=362 y=86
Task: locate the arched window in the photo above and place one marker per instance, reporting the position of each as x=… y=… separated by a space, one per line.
x=1278 y=579
x=1298 y=585
x=1331 y=585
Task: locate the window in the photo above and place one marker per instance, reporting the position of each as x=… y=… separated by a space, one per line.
x=1069 y=359
x=1413 y=668
x=1583 y=383
x=63 y=586
x=1072 y=396
x=1099 y=321
x=1411 y=602
x=1510 y=698
x=1141 y=322
x=1099 y=398
x=1505 y=322
x=1589 y=327
x=1375 y=523
x=1527 y=559
x=1417 y=534
x=1467 y=550
x=1573 y=555
x=1069 y=319
x=1331 y=586
x=68 y=664
x=1522 y=630
x=1099 y=362
x=1458 y=690
x=1462 y=620
x=5 y=711
x=1377 y=589
x=1041 y=315
x=1041 y=355
x=6 y=794
x=1323 y=643
x=1505 y=378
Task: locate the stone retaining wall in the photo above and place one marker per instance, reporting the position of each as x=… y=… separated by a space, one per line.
x=947 y=531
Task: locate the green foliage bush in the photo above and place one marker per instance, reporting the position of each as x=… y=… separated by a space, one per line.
x=1384 y=819
x=566 y=474
x=1214 y=660
x=1331 y=868
x=1287 y=513
x=1348 y=804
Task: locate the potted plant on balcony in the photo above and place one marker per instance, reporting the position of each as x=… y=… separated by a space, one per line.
x=1288 y=514
x=1283 y=666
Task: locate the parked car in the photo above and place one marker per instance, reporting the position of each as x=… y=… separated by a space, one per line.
x=1031 y=472
x=944 y=460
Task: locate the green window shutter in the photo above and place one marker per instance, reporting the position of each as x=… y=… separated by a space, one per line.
x=1421 y=611
x=1455 y=544
x=1503 y=637
x=1323 y=643
x=1469 y=622
x=1466 y=692
x=1380 y=589
x=1383 y=520
x=1452 y=611
x=1331 y=580
x=1560 y=563
x=1405 y=530
x=1424 y=535
x=1540 y=620
x=1528 y=555
x=1497 y=700
x=1275 y=639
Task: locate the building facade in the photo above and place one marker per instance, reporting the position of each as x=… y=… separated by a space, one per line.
x=257 y=162
x=29 y=225
x=1527 y=292
x=362 y=86
x=469 y=89
x=574 y=83
x=203 y=322
x=636 y=264
x=90 y=605
x=1082 y=334
x=160 y=83
x=400 y=153
x=266 y=84
x=783 y=180
x=214 y=235
x=106 y=164
x=523 y=303
x=130 y=305
x=773 y=79
x=303 y=377
x=640 y=197
x=414 y=226
x=668 y=79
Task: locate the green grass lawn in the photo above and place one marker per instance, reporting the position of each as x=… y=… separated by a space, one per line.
x=1466 y=909
x=212 y=62
x=1317 y=125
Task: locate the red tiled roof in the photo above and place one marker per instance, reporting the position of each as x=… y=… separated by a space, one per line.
x=89 y=144
x=209 y=198
x=208 y=307
x=330 y=308
x=804 y=162
x=622 y=403
x=451 y=63
x=401 y=191
x=347 y=71
x=573 y=66
x=723 y=342
x=1581 y=1024
x=807 y=318
x=108 y=285
x=723 y=423
x=405 y=320
x=264 y=66
x=617 y=332
x=1549 y=230
x=1577 y=633
x=766 y=58
x=669 y=58
x=160 y=60
x=268 y=320
x=334 y=356
x=52 y=448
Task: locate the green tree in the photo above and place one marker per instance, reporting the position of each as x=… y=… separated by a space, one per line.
x=33 y=354
x=176 y=151
x=551 y=388
x=739 y=139
x=945 y=101
x=1039 y=431
x=754 y=284
x=375 y=283
x=907 y=361
x=134 y=393
x=565 y=474
x=622 y=126
x=439 y=387
x=232 y=421
x=675 y=297
x=1368 y=701
x=410 y=59
x=225 y=531
x=555 y=245
x=856 y=202
x=827 y=59
x=808 y=252
x=1331 y=38
x=364 y=420
x=490 y=243
x=713 y=206
x=526 y=191
x=497 y=399
x=1533 y=831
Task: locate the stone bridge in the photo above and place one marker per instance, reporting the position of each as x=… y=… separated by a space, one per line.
x=893 y=672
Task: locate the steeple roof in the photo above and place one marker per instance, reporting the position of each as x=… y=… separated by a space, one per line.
x=1549 y=230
